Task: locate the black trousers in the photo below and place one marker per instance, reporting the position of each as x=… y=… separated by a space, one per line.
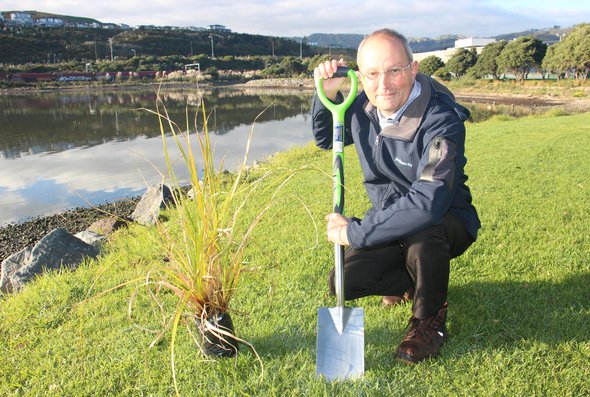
x=421 y=261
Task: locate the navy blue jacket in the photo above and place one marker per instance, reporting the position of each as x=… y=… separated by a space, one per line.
x=413 y=170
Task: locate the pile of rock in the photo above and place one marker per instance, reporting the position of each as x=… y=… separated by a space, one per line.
x=282 y=82
x=61 y=250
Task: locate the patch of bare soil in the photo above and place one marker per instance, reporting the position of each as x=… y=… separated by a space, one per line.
x=532 y=101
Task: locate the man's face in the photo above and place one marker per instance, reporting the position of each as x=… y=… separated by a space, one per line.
x=386 y=61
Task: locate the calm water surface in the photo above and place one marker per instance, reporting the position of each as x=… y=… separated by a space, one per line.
x=65 y=149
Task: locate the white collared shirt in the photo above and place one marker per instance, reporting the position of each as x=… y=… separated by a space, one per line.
x=394 y=118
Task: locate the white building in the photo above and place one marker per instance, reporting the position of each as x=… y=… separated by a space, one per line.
x=445 y=55
x=21 y=18
x=472 y=42
x=49 y=21
x=219 y=29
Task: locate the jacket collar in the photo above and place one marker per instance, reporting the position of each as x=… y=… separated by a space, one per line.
x=408 y=124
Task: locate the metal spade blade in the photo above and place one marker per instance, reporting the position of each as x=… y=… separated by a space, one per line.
x=340 y=343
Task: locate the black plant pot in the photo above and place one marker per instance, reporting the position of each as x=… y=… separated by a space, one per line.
x=216 y=342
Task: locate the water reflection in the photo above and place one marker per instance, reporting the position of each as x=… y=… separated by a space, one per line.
x=57 y=121
x=60 y=150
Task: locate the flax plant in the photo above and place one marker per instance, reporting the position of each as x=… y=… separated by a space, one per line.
x=205 y=244
x=206 y=261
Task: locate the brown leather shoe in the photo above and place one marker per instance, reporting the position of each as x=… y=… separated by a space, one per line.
x=424 y=338
x=393 y=300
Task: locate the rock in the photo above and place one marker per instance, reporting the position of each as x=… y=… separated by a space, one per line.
x=191 y=193
x=16 y=237
x=106 y=226
x=91 y=238
x=10 y=265
x=57 y=250
x=148 y=208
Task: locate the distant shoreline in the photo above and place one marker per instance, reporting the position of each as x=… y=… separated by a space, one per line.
x=479 y=94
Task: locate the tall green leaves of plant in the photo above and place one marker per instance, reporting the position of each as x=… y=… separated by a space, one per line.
x=205 y=243
x=206 y=259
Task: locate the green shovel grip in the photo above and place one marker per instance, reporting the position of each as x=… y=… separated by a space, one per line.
x=338 y=114
x=339 y=109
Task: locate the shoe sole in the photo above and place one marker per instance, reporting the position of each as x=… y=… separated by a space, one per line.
x=410 y=360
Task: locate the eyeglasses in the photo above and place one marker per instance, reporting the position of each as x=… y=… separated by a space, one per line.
x=392 y=73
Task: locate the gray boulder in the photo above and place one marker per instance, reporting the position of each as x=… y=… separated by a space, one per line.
x=91 y=238
x=108 y=225
x=57 y=250
x=155 y=198
x=10 y=265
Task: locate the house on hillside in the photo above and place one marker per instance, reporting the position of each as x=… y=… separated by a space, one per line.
x=21 y=18
x=50 y=22
x=219 y=29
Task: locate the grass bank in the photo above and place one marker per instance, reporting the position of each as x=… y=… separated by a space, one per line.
x=519 y=303
x=556 y=89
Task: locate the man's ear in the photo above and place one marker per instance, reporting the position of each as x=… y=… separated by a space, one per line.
x=415 y=66
x=359 y=78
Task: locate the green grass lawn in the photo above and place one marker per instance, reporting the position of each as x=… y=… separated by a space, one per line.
x=519 y=299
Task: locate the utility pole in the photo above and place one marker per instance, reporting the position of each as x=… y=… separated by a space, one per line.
x=111 y=44
x=301 y=48
x=212 y=53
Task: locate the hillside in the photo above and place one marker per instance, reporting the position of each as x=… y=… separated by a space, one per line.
x=426 y=44
x=35 y=15
x=549 y=35
x=20 y=45
x=27 y=43
x=348 y=40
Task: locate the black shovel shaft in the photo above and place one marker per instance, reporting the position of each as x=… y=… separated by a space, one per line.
x=339 y=274
x=341 y=71
x=338 y=158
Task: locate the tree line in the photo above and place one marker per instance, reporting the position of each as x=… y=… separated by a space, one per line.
x=21 y=45
x=54 y=50
x=569 y=57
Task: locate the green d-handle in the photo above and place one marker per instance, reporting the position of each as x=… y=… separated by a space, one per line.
x=339 y=109
x=338 y=112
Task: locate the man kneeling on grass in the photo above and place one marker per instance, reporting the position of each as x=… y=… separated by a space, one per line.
x=409 y=135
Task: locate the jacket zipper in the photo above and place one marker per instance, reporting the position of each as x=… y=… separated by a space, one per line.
x=377 y=153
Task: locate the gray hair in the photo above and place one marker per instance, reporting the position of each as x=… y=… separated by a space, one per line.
x=390 y=34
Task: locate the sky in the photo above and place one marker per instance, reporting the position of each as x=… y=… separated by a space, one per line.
x=289 y=18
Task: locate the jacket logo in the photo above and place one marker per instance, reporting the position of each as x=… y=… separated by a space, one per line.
x=400 y=162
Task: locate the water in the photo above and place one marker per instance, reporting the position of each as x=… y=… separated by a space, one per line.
x=64 y=149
